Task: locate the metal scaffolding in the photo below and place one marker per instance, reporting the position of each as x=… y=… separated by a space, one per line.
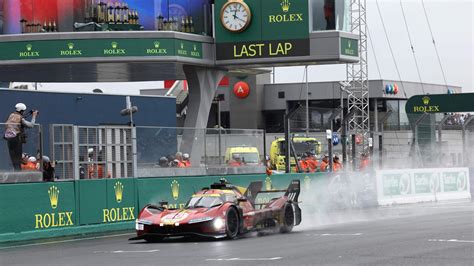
x=357 y=75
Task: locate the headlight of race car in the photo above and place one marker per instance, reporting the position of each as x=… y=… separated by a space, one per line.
x=200 y=220
x=219 y=223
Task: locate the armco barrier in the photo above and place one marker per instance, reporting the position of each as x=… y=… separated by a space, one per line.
x=43 y=210
x=422 y=185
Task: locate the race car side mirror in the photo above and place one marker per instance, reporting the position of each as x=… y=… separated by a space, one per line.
x=242 y=199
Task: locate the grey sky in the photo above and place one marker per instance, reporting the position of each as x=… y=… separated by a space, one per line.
x=452 y=25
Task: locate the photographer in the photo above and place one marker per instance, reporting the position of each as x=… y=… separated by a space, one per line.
x=15 y=133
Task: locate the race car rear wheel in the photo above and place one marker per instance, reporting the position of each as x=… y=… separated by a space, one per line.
x=288 y=218
x=232 y=223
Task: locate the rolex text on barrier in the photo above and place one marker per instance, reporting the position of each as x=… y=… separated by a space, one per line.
x=53 y=218
x=120 y=198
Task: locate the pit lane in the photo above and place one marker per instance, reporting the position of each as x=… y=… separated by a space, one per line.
x=411 y=234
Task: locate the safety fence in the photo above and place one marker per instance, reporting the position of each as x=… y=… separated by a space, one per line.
x=86 y=152
x=434 y=140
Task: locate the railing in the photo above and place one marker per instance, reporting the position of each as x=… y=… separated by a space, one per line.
x=161 y=151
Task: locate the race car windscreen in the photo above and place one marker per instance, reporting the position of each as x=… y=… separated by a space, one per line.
x=204 y=201
x=300 y=147
x=248 y=157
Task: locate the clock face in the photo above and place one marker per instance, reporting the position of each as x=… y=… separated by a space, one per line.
x=235 y=16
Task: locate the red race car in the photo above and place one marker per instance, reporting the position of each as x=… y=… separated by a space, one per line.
x=223 y=211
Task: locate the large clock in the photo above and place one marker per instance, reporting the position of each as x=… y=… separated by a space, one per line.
x=235 y=16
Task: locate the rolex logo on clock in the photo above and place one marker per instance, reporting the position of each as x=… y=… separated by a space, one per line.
x=235 y=16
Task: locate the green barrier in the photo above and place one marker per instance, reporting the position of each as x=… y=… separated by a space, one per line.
x=38 y=206
x=121 y=201
x=92 y=200
x=42 y=210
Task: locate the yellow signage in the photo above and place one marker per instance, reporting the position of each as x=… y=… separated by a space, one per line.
x=118 y=188
x=70 y=51
x=29 y=52
x=426 y=108
x=175 y=189
x=115 y=50
x=53 y=219
x=258 y=49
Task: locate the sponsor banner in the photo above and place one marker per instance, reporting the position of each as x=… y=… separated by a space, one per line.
x=38 y=206
x=121 y=201
x=262 y=49
x=349 y=47
x=440 y=103
x=420 y=185
x=58 y=49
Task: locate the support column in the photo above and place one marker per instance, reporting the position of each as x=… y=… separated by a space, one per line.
x=202 y=86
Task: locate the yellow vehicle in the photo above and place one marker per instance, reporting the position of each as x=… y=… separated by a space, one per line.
x=301 y=144
x=247 y=155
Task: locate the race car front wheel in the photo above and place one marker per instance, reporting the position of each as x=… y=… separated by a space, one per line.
x=287 y=219
x=232 y=223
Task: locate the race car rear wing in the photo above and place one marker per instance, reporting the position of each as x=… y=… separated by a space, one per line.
x=293 y=191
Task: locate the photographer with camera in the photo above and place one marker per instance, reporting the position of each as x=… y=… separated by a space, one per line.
x=15 y=133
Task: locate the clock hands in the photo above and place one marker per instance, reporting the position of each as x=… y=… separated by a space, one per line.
x=235 y=17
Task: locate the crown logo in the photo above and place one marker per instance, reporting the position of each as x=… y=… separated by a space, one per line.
x=268 y=183
x=195 y=47
x=285 y=5
x=182 y=46
x=70 y=46
x=175 y=189
x=114 y=45
x=118 y=187
x=53 y=193
x=307 y=182
x=349 y=44
x=29 y=47
x=426 y=100
x=156 y=44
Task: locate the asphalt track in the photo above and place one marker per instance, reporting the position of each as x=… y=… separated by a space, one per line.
x=428 y=234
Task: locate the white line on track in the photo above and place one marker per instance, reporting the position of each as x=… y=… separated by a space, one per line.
x=246 y=259
x=355 y=234
x=451 y=240
x=64 y=241
x=128 y=251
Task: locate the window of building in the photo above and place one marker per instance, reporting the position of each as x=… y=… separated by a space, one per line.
x=330 y=15
x=281 y=95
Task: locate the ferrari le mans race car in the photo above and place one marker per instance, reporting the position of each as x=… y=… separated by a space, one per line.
x=223 y=211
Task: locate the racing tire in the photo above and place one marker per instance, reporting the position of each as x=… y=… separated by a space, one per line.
x=288 y=218
x=232 y=223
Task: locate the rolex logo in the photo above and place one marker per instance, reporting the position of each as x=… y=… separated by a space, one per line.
x=70 y=46
x=268 y=183
x=426 y=100
x=349 y=45
x=182 y=46
x=118 y=187
x=114 y=45
x=194 y=47
x=175 y=189
x=29 y=47
x=53 y=193
x=156 y=44
x=285 y=5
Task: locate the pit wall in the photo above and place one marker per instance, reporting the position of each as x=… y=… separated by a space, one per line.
x=45 y=210
x=422 y=185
